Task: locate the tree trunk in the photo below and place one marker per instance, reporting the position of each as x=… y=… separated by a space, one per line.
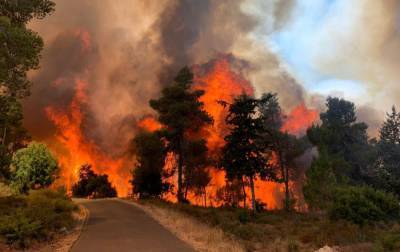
x=205 y=197
x=285 y=175
x=3 y=141
x=287 y=193
x=253 y=194
x=244 y=193
x=186 y=191
x=180 y=170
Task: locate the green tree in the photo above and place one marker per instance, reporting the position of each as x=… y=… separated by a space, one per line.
x=243 y=155
x=182 y=114
x=20 y=47
x=22 y=11
x=364 y=205
x=147 y=175
x=343 y=137
x=321 y=182
x=20 y=50
x=33 y=167
x=387 y=168
x=286 y=147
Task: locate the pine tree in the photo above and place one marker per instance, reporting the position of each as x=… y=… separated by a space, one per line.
x=243 y=154
x=389 y=152
x=182 y=113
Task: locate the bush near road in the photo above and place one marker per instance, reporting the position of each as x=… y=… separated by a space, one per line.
x=36 y=217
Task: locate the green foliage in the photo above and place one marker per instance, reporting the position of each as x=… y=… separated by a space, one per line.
x=5 y=161
x=20 y=50
x=390 y=242
x=34 y=167
x=386 y=173
x=243 y=154
x=182 y=113
x=364 y=205
x=320 y=183
x=344 y=138
x=22 y=11
x=93 y=185
x=148 y=173
x=36 y=216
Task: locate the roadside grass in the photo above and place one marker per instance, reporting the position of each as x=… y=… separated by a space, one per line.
x=282 y=231
x=37 y=217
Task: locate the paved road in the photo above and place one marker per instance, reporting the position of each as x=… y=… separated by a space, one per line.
x=117 y=226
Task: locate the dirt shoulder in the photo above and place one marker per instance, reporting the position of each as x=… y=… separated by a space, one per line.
x=200 y=236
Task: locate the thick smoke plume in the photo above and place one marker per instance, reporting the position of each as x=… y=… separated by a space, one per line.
x=121 y=53
x=127 y=50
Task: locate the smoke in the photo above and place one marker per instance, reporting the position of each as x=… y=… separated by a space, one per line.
x=342 y=47
x=126 y=51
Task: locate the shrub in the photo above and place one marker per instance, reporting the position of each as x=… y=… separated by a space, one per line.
x=92 y=185
x=363 y=205
x=33 y=167
x=35 y=217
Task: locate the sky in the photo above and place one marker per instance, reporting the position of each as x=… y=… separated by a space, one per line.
x=347 y=48
x=297 y=43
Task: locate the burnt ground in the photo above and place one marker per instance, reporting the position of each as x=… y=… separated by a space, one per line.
x=117 y=226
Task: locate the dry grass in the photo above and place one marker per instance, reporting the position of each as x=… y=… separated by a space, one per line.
x=232 y=229
x=199 y=235
x=5 y=190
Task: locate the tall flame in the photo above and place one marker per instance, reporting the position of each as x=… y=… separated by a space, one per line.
x=73 y=149
x=299 y=119
x=220 y=83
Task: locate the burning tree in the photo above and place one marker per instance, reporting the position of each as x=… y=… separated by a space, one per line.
x=243 y=154
x=183 y=116
x=284 y=146
x=196 y=176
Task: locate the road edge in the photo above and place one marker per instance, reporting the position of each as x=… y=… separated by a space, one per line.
x=81 y=226
x=199 y=236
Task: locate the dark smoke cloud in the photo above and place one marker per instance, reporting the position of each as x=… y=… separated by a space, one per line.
x=126 y=51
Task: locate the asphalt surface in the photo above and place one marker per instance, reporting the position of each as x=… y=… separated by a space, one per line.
x=117 y=226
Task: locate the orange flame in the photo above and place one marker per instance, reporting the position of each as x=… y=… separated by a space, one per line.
x=149 y=123
x=299 y=119
x=221 y=83
x=73 y=149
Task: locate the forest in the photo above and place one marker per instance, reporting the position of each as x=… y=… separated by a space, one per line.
x=352 y=178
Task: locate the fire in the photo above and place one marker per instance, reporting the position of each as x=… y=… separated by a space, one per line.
x=73 y=149
x=299 y=119
x=221 y=83
x=149 y=123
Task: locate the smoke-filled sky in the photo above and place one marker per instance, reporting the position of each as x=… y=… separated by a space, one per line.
x=127 y=50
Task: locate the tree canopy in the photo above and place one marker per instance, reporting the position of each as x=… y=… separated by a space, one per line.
x=33 y=167
x=147 y=174
x=182 y=114
x=243 y=155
